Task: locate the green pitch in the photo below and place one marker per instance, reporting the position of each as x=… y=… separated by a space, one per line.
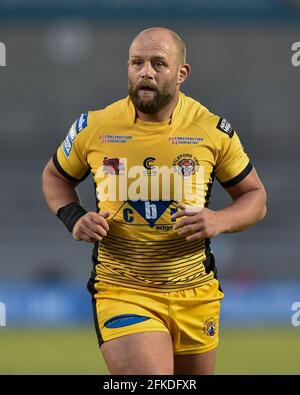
x=74 y=351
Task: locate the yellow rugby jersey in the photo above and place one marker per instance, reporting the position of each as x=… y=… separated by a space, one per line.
x=140 y=171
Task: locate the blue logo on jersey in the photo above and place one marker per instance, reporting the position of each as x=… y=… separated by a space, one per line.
x=67 y=145
x=81 y=122
x=150 y=210
x=128 y=215
x=123 y=320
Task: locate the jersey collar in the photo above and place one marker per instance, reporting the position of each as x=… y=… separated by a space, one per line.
x=131 y=113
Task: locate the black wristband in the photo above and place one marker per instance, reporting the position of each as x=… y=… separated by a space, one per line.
x=70 y=214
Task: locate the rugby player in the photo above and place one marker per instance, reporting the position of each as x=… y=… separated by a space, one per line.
x=154 y=156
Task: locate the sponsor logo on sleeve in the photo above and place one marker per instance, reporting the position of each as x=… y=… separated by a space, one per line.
x=77 y=127
x=72 y=132
x=81 y=122
x=67 y=145
x=225 y=127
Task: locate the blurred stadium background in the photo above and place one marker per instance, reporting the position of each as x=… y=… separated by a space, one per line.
x=64 y=58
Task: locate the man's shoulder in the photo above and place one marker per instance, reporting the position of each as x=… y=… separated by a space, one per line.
x=211 y=123
x=101 y=116
x=91 y=122
x=196 y=112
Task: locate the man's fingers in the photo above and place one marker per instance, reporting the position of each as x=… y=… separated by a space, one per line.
x=98 y=229
x=92 y=227
x=186 y=221
x=94 y=237
x=98 y=219
x=183 y=213
x=104 y=214
x=186 y=210
x=180 y=224
x=188 y=229
x=89 y=236
x=195 y=236
x=91 y=231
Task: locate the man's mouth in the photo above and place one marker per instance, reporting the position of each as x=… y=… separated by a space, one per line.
x=147 y=89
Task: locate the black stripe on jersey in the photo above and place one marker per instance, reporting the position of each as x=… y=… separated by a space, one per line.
x=161 y=278
x=167 y=243
x=134 y=263
x=150 y=263
x=65 y=174
x=238 y=178
x=158 y=251
x=174 y=275
x=140 y=262
x=159 y=254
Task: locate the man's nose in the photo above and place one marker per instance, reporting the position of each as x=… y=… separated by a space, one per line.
x=147 y=70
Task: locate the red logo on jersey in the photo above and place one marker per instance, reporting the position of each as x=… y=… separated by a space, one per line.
x=112 y=166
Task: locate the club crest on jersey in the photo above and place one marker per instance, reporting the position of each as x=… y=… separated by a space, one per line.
x=209 y=327
x=113 y=166
x=225 y=127
x=186 y=165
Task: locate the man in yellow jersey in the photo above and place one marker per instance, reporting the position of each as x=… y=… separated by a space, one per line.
x=153 y=157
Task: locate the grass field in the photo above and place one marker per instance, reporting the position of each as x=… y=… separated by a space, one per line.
x=74 y=351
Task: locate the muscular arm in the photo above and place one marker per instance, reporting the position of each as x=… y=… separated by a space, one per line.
x=57 y=189
x=248 y=208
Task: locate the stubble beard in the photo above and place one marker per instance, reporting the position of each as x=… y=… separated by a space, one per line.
x=161 y=98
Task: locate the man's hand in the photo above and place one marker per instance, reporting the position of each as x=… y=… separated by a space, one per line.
x=91 y=227
x=199 y=222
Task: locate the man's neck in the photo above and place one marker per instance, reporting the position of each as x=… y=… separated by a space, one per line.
x=163 y=115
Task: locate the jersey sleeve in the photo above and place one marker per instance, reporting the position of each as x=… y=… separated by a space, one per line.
x=70 y=158
x=233 y=164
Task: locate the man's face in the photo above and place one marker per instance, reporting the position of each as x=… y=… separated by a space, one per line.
x=152 y=72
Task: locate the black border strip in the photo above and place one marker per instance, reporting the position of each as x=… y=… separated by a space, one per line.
x=238 y=178
x=65 y=174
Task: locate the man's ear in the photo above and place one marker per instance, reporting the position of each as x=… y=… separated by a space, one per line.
x=183 y=73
